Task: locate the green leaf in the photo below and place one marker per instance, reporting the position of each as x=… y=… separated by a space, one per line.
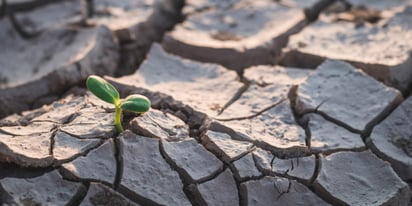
x=136 y=103
x=103 y=89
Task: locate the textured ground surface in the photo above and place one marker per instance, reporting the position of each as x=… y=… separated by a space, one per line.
x=240 y=115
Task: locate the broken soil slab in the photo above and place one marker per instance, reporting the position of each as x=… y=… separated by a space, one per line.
x=274 y=130
x=34 y=128
x=301 y=168
x=378 y=49
x=98 y=165
x=245 y=168
x=221 y=190
x=26 y=151
x=61 y=111
x=147 y=178
x=278 y=191
x=67 y=147
x=194 y=161
x=206 y=88
x=347 y=96
x=392 y=139
x=192 y=7
x=99 y=194
x=269 y=85
x=51 y=63
x=223 y=146
x=380 y=4
x=91 y=122
x=49 y=189
x=249 y=33
x=327 y=137
x=158 y=124
x=374 y=180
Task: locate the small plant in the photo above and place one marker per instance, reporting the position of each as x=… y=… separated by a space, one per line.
x=108 y=93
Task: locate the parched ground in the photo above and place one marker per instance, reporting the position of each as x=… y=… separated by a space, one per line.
x=254 y=102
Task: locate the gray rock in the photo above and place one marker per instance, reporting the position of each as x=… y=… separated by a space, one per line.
x=51 y=63
x=221 y=190
x=98 y=194
x=389 y=62
x=327 y=137
x=245 y=168
x=98 y=165
x=392 y=139
x=193 y=159
x=91 y=123
x=340 y=91
x=34 y=128
x=158 y=124
x=222 y=145
x=275 y=130
x=269 y=86
x=278 y=191
x=374 y=180
x=146 y=174
x=26 y=151
x=301 y=168
x=48 y=189
x=249 y=33
x=205 y=87
x=67 y=147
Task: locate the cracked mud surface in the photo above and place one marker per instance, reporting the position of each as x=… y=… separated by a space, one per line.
x=319 y=133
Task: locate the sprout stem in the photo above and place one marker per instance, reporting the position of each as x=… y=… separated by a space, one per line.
x=117 y=118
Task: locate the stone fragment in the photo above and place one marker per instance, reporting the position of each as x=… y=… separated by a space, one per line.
x=347 y=95
x=91 y=123
x=57 y=59
x=146 y=175
x=99 y=194
x=98 y=165
x=221 y=190
x=67 y=147
x=34 y=128
x=327 y=137
x=269 y=86
x=246 y=34
x=275 y=130
x=26 y=151
x=205 y=87
x=304 y=4
x=48 y=189
x=392 y=139
x=379 y=49
x=374 y=180
x=245 y=168
x=222 y=145
x=278 y=191
x=158 y=124
x=195 y=162
x=61 y=111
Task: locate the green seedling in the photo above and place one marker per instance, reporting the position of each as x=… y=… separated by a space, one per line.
x=105 y=91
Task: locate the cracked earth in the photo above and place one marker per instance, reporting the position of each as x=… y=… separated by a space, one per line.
x=253 y=103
